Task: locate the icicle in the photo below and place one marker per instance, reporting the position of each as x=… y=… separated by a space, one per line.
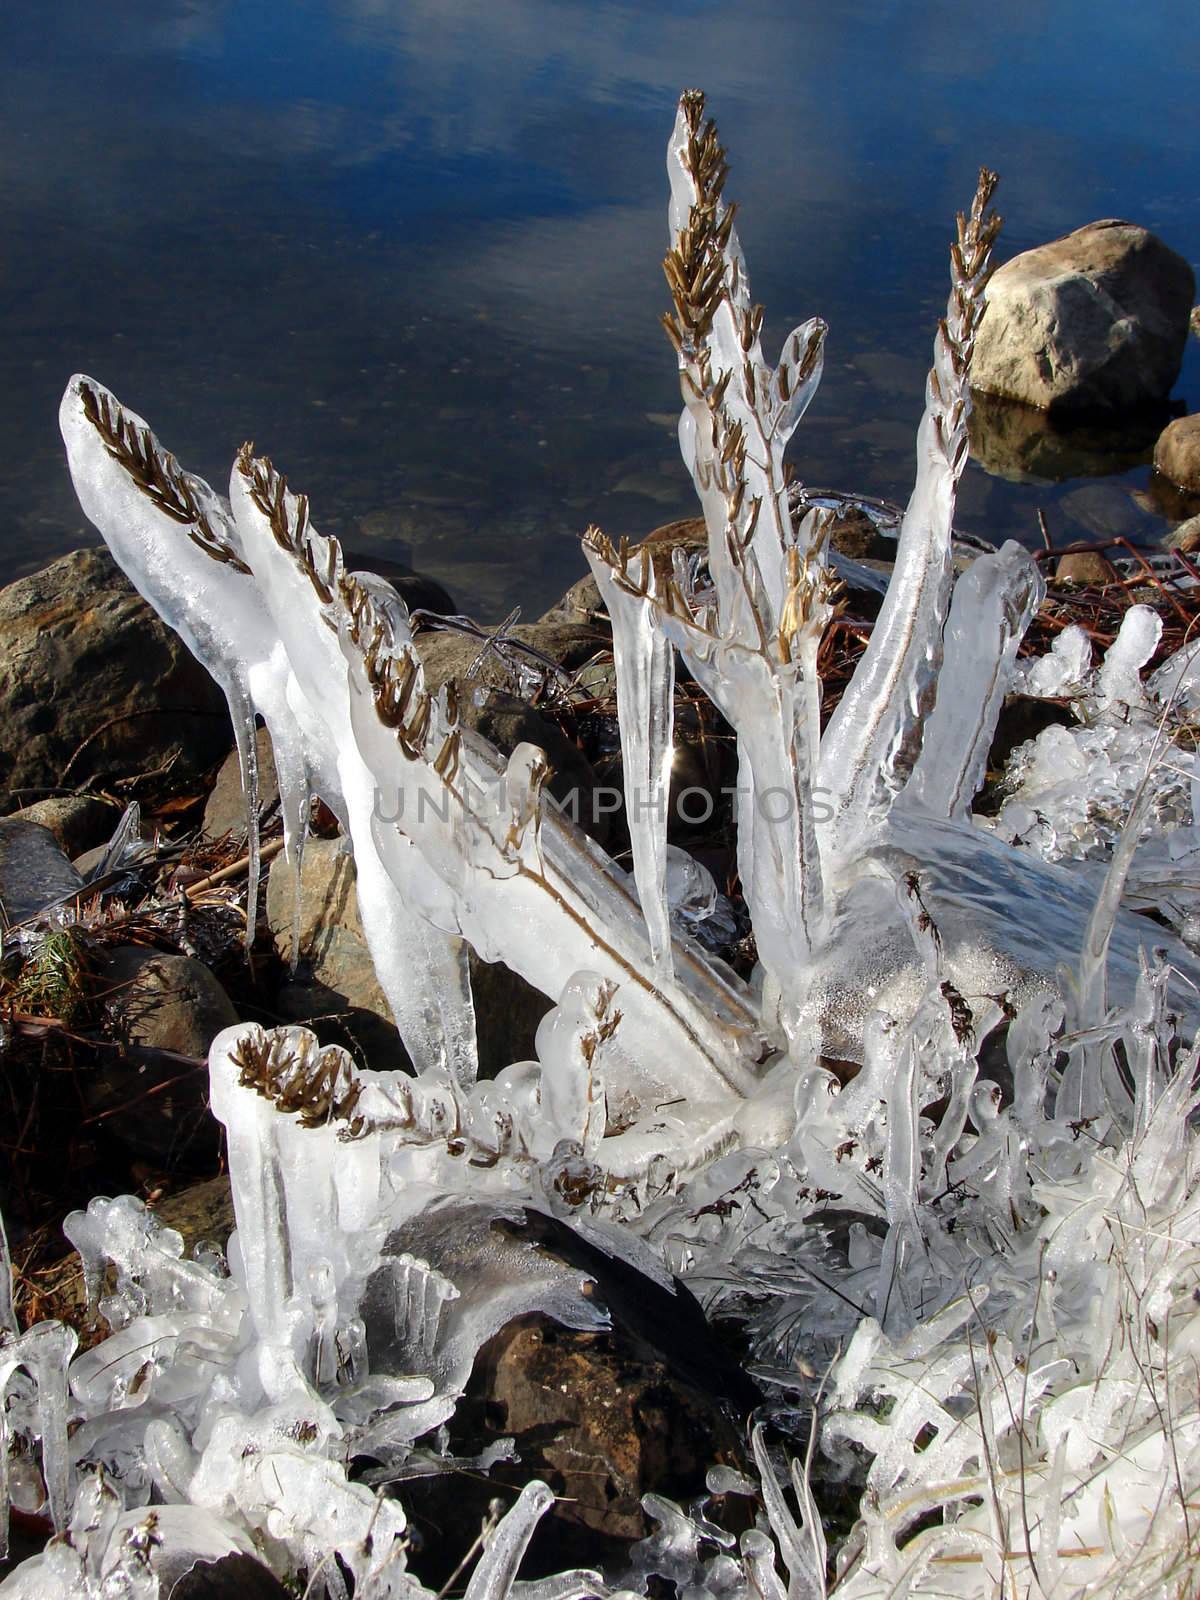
x=45 y=1351
x=645 y=665
x=496 y=1570
x=993 y=604
x=528 y=888
x=1082 y=1092
x=8 y=1317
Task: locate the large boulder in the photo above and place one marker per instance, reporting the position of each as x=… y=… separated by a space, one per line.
x=1177 y=453
x=1093 y=322
x=94 y=687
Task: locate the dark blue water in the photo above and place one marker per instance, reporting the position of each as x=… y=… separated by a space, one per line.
x=412 y=249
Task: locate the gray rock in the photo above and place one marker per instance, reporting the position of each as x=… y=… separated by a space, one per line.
x=34 y=871
x=582 y=603
x=1095 y=321
x=83 y=658
x=225 y=811
x=1177 y=453
x=338 y=976
x=164 y=1001
x=158 y=1002
x=78 y=821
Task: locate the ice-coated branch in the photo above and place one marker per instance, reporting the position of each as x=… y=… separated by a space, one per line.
x=766 y=689
x=529 y=888
x=739 y=413
x=871 y=744
x=407 y=917
x=176 y=542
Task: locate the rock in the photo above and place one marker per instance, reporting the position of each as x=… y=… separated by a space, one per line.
x=34 y=871
x=1177 y=453
x=582 y=603
x=1095 y=321
x=231 y=1577
x=416 y=589
x=83 y=658
x=854 y=534
x=78 y=821
x=159 y=1002
x=225 y=812
x=1164 y=499
x=1185 y=537
x=600 y=1417
x=338 y=975
x=164 y=1001
x=1083 y=566
x=200 y=1212
x=447 y=655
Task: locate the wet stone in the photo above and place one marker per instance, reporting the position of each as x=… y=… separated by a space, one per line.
x=600 y=1417
x=34 y=870
x=78 y=821
x=165 y=1009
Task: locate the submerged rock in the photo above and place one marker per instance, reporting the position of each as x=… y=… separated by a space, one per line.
x=1095 y=321
x=1022 y=444
x=92 y=684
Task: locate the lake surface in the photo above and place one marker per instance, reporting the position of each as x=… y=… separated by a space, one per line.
x=412 y=247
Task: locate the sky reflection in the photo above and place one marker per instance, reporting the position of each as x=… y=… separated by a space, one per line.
x=412 y=246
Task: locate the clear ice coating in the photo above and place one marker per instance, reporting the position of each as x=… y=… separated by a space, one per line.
x=938 y=1160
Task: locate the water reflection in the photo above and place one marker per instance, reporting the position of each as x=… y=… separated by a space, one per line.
x=412 y=247
x=1022 y=444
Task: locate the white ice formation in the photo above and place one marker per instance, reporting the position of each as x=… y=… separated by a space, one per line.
x=940 y=1153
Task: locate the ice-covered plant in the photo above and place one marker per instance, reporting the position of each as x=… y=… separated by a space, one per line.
x=905 y=1151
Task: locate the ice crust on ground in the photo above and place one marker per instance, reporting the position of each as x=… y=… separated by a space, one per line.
x=938 y=1161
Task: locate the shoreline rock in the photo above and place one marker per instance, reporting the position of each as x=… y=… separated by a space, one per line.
x=1177 y=453
x=93 y=687
x=1093 y=322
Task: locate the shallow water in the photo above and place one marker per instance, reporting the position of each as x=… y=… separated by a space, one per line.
x=412 y=247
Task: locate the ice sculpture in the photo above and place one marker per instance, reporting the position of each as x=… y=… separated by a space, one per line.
x=912 y=1155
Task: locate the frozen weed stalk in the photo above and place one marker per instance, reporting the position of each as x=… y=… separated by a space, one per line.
x=981 y=1230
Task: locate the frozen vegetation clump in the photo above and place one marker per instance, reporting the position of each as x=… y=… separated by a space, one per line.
x=938 y=1158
